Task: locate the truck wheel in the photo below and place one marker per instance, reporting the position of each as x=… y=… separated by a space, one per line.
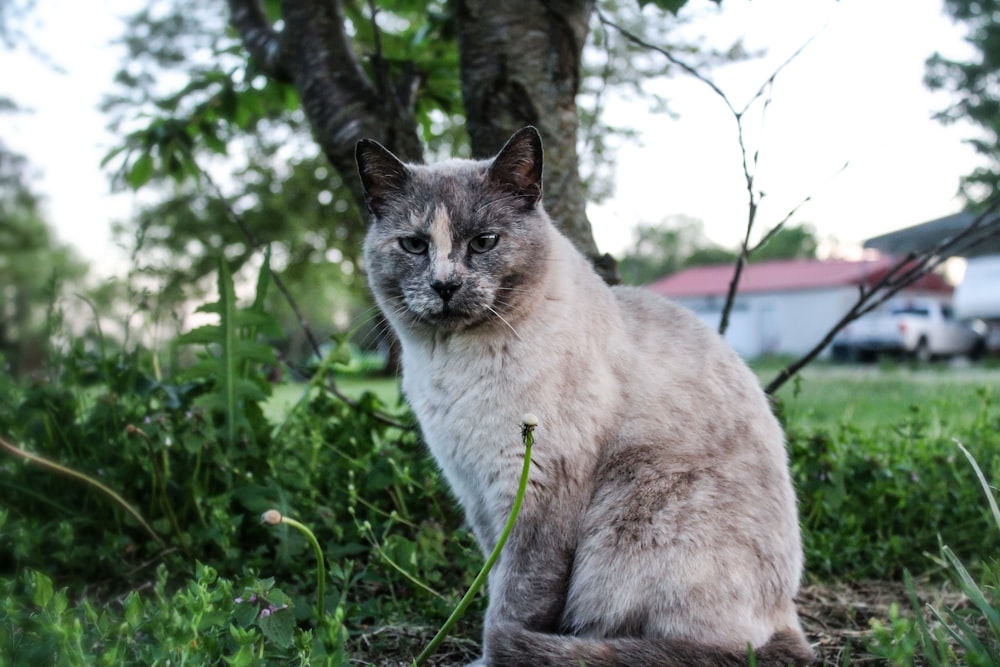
x=922 y=352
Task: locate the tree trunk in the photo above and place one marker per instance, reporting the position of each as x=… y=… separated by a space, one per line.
x=520 y=65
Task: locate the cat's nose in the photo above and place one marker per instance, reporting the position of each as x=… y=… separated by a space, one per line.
x=446 y=288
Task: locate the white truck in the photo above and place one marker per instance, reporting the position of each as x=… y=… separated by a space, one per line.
x=920 y=327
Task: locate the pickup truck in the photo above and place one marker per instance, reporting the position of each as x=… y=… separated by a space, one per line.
x=923 y=328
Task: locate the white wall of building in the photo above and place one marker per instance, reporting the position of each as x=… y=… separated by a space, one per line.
x=791 y=322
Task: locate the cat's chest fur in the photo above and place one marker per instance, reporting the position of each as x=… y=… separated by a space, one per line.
x=470 y=390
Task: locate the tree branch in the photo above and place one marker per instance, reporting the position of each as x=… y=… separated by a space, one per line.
x=259 y=37
x=749 y=172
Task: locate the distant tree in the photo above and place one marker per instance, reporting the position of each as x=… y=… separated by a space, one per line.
x=680 y=242
x=789 y=242
x=676 y=243
x=976 y=85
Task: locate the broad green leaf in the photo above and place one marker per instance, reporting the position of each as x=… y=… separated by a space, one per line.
x=140 y=172
x=278 y=626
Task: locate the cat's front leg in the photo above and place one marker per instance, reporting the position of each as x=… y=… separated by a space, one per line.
x=528 y=585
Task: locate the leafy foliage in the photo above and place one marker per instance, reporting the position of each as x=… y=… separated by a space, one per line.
x=975 y=84
x=237 y=391
x=680 y=242
x=963 y=634
x=200 y=455
x=873 y=502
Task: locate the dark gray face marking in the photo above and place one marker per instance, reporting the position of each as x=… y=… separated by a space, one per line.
x=456 y=245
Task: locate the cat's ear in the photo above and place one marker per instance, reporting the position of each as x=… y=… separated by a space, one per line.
x=383 y=175
x=517 y=169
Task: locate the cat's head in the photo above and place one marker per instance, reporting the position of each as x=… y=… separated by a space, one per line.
x=459 y=244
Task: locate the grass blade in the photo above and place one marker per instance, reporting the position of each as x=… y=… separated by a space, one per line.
x=982 y=480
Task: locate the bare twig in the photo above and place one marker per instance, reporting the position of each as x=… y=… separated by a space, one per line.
x=750 y=162
x=904 y=272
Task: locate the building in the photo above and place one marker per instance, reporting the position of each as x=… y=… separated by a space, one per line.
x=784 y=306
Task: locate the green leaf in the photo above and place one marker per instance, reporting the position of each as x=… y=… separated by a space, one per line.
x=41 y=588
x=278 y=626
x=245 y=611
x=141 y=171
x=134 y=609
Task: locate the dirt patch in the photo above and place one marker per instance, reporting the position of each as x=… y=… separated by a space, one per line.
x=837 y=617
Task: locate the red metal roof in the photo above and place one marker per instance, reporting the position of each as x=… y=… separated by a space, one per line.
x=785 y=275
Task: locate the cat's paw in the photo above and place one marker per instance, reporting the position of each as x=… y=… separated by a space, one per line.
x=478 y=663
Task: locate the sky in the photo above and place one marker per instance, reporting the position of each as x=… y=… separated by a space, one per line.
x=853 y=96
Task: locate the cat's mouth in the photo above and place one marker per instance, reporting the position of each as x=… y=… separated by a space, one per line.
x=450 y=316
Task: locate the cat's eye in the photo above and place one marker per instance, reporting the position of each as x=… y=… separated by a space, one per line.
x=484 y=243
x=413 y=245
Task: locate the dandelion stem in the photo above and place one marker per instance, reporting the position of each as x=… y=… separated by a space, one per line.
x=273 y=518
x=527 y=435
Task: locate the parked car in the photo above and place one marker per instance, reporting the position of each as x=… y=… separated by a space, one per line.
x=923 y=328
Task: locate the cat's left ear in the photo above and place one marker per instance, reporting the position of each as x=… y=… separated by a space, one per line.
x=383 y=175
x=517 y=169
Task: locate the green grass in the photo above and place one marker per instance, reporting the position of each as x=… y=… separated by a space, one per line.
x=285 y=396
x=868 y=397
x=825 y=396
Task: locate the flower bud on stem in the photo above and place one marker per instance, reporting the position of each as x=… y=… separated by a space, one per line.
x=273 y=518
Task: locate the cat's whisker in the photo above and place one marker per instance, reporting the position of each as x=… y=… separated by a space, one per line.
x=502 y=319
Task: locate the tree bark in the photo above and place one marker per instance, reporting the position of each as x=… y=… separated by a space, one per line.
x=315 y=54
x=520 y=63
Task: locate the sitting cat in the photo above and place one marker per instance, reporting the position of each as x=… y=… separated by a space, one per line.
x=659 y=525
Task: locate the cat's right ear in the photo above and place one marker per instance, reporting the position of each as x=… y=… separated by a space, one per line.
x=383 y=175
x=517 y=169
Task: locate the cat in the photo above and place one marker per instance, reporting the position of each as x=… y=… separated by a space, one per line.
x=659 y=525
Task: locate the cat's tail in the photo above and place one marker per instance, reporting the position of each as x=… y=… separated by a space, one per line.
x=513 y=646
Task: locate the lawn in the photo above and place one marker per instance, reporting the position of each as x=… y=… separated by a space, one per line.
x=823 y=396
x=286 y=395
x=871 y=396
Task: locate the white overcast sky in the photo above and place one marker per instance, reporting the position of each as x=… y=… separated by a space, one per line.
x=855 y=95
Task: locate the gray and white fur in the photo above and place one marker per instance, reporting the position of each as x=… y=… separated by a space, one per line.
x=659 y=525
